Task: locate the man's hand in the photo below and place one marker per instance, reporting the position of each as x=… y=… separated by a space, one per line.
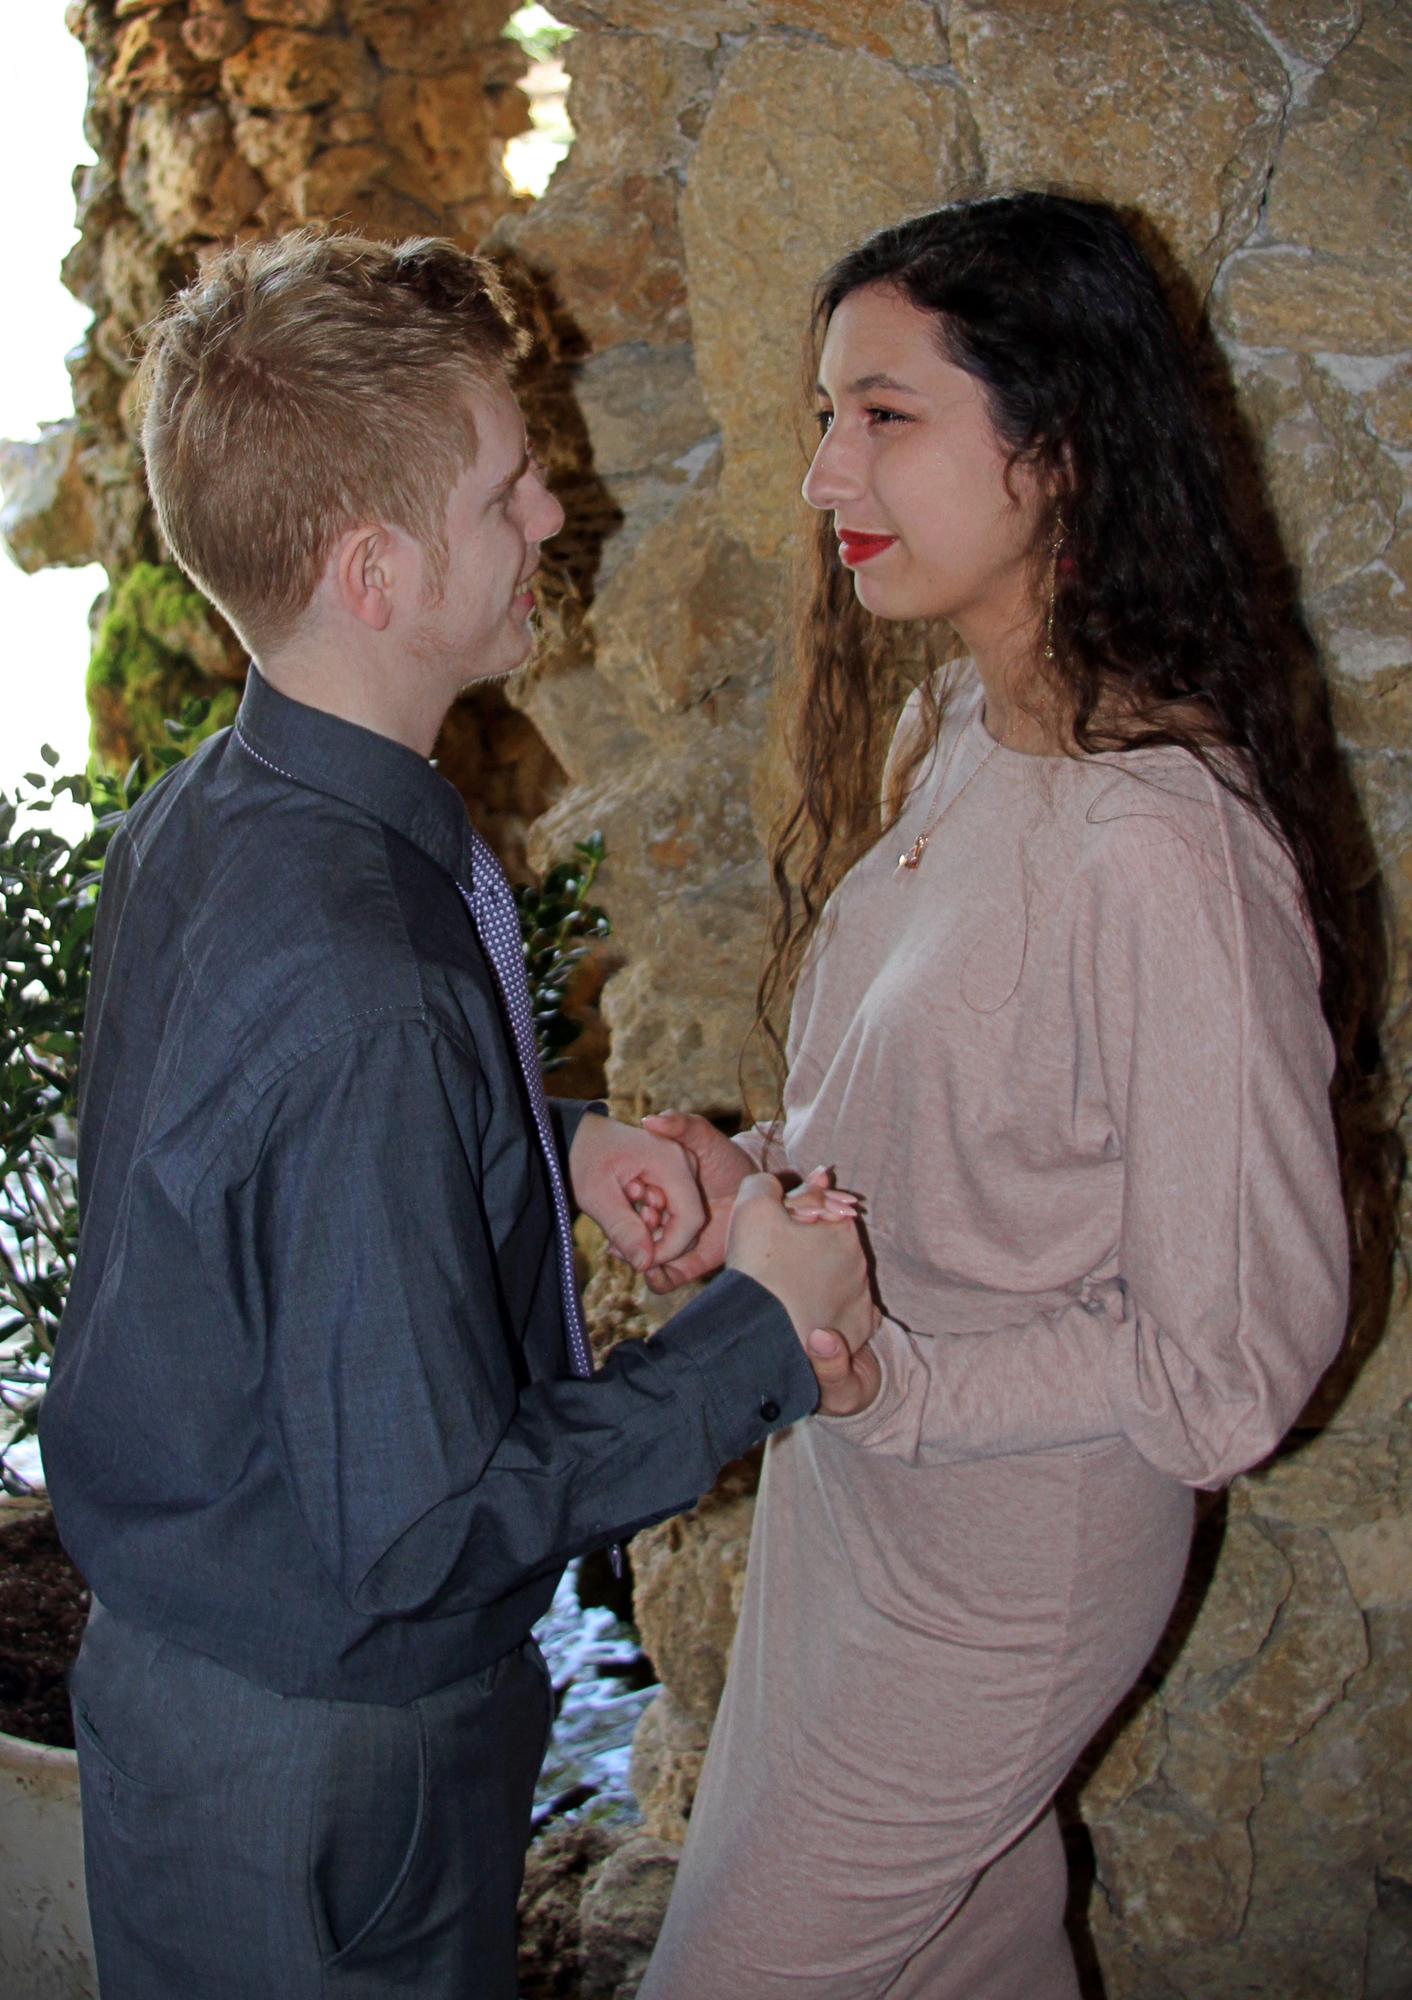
x=819 y=1274
x=720 y=1169
x=617 y=1170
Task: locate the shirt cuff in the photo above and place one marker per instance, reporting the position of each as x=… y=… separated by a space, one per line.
x=756 y=1375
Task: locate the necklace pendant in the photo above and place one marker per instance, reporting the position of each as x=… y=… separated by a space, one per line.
x=912 y=859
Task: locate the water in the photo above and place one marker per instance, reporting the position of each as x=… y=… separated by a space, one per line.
x=597 y=1669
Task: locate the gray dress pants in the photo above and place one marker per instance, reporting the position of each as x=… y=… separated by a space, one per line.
x=242 y=1845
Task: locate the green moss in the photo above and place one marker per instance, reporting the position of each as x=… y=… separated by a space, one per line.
x=159 y=646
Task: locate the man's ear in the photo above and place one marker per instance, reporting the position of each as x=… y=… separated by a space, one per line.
x=367 y=568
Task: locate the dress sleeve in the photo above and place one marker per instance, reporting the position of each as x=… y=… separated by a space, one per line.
x=387 y=1269
x=1196 y=997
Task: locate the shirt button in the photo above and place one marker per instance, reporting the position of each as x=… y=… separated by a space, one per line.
x=769 y=1409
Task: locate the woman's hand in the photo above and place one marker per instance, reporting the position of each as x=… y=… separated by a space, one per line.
x=820 y=1277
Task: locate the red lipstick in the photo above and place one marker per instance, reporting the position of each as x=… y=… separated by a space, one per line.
x=855 y=548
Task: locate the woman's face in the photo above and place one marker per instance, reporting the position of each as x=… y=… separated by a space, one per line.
x=914 y=475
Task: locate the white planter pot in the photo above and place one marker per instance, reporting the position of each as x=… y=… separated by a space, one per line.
x=46 y=1946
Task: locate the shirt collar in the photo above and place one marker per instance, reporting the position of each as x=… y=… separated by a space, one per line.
x=378 y=776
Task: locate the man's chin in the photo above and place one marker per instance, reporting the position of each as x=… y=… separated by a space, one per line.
x=497 y=675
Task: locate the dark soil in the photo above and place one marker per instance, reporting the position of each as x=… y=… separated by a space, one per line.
x=43 y=1605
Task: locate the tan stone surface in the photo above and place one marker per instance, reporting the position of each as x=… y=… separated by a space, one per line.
x=46 y=509
x=277 y=145
x=1319 y=1643
x=1389 y=407
x=1131 y=1761
x=1343 y=182
x=621 y=1914
x=1312 y=30
x=1251 y=1582
x=1336 y=493
x=688 y=1574
x=335 y=181
x=1384 y=1384
x=1336 y=1479
x=215 y=30
x=153 y=60
x=691 y=613
x=282 y=69
x=1170 y=1877
x=1377 y=1560
x=133 y=291
x=1338 y=272
x=1175 y=109
x=637 y=102
x=293 y=13
x=1364 y=625
x=559 y=1866
x=427 y=40
x=788 y=172
x=668 y=1750
x=1310 y=302
x=650 y=436
x=908 y=31
x=610 y=247
x=442 y=130
x=181 y=175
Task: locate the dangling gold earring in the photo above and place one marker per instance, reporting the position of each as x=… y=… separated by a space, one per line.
x=1056 y=543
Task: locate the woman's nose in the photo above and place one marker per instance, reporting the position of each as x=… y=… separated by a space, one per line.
x=833 y=475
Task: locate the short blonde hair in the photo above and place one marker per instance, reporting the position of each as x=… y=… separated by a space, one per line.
x=300 y=386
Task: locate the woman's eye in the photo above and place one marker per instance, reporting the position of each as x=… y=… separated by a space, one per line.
x=877 y=417
x=824 y=419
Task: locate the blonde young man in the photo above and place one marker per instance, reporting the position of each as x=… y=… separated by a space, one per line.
x=319 y=1433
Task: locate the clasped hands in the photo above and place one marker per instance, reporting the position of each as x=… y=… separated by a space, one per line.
x=677 y=1200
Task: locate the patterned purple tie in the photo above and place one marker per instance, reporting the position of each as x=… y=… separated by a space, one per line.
x=497 y=922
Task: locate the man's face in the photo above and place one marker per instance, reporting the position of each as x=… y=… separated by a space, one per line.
x=480 y=624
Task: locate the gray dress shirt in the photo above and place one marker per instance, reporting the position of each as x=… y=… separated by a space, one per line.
x=311 y=1411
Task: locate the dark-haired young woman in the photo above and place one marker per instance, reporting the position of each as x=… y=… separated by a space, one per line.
x=1061 y=1026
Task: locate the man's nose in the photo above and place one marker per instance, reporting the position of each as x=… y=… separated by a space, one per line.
x=547 y=516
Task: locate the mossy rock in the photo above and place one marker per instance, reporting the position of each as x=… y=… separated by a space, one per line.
x=160 y=645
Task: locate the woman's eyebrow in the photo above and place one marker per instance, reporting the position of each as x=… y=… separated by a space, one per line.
x=866 y=383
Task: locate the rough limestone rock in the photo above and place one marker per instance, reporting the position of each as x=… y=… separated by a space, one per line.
x=1336 y=494
x=1250 y=1814
x=621 y=1913
x=908 y=31
x=1174 y=109
x=788 y=171
x=1337 y=273
x=47 y=515
x=668 y=1749
x=559 y=1865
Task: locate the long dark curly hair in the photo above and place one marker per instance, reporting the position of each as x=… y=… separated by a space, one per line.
x=1165 y=627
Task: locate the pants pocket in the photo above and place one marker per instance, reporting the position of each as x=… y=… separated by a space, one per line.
x=368 y=1831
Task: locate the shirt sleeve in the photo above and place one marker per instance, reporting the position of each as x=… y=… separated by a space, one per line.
x=1198 y=1001
x=381 y=1256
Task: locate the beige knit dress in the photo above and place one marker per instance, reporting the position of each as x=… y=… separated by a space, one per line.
x=1077 y=1067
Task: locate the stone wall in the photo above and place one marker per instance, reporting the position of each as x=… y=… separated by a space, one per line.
x=1248 y=1826
x=1248 y=1823
x=214 y=121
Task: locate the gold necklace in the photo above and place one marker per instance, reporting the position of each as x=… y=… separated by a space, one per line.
x=909 y=862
